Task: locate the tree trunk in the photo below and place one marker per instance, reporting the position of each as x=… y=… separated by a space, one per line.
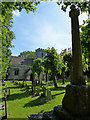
x=32 y=79
x=47 y=78
x=54 y=80
x=63 y=75
x=38 y=78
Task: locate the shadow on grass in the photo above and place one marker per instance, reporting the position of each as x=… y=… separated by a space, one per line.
x=53 y=96
x=14 y=87
x=18 y=96
x=36 y=102
x=41 y=111
x=40 y=101
x=58 y=89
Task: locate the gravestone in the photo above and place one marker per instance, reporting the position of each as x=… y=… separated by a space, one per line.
x=44 y=92
x=3 y=83
x=49 y=96
x=37 y=92
x=27 y=87
x=19 y=83
x=2 y=106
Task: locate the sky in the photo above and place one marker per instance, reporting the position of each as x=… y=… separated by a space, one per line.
x=49 y=26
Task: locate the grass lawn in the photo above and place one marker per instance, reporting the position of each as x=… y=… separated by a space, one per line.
x=21 y=103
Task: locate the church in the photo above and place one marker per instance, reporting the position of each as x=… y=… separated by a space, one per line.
x=20 y=67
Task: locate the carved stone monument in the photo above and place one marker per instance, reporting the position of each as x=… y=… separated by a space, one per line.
x=77 y=97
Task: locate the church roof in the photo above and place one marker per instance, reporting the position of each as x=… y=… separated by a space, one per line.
x=20 y=60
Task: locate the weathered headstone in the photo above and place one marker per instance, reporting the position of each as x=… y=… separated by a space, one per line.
x=27 y=87
x=19 y=83
x=49 y=96
x=2 y=106
x=44 y=92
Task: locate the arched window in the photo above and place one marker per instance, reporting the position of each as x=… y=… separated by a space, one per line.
x=16 y=71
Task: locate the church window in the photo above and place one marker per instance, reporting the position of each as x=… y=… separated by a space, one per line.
x=16 y=71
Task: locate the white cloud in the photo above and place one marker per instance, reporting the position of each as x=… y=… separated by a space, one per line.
x=16 y=12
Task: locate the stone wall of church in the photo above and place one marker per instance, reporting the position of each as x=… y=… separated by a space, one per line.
x=17 y=72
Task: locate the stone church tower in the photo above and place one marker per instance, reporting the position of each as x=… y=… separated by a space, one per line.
x=39 y=53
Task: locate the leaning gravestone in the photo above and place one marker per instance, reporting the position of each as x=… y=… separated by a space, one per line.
x=49 y=96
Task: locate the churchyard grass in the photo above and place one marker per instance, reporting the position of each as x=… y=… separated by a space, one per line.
x=22 y=103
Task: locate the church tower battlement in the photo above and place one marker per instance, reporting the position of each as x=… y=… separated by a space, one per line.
x=39 y=53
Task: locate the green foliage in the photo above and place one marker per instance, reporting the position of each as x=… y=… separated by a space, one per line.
x=82 y=6
x=84 y=63
x=7 y=37
x=37 y=66
x=51 y=58
x=6 y=34
x=85 y=39
x=27 y=54
x=60 y=65
x=85 y=29
x=67 y=58
x=54 y=62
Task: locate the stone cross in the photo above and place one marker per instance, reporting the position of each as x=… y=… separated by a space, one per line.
x=77 y=72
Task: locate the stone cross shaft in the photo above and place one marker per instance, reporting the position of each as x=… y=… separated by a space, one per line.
x=77 y=73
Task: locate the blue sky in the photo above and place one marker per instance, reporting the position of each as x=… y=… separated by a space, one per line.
x=49 y=26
